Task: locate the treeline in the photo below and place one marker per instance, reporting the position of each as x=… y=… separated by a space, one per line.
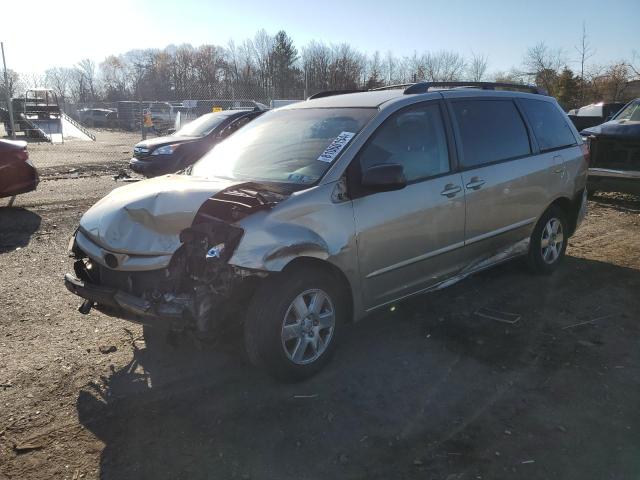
x=272 y=67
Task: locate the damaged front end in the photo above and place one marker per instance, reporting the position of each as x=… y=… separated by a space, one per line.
x=197 y=289
x=615 y=164
x=614 y=149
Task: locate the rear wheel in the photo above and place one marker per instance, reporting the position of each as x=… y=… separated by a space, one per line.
x=548 y=241
x=293 y=321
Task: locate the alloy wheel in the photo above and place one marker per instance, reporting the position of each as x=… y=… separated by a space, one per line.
x=308 y=326
x=552 y=241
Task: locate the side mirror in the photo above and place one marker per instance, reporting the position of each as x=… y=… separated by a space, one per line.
x=384 y=177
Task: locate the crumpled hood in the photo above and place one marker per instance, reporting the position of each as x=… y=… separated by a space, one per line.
x=623 y=129
x=146 y=218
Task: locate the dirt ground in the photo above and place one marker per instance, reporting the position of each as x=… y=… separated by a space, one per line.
x=109 y=146
x=429 y=390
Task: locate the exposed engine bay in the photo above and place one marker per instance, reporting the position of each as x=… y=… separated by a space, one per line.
x=198 y=289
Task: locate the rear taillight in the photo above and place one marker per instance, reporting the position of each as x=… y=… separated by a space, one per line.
x=586 y=153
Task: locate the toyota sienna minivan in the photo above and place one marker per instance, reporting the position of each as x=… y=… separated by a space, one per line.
x=317 y=213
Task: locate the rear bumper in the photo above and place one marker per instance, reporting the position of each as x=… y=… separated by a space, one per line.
x=609 y=173
x=609 y=180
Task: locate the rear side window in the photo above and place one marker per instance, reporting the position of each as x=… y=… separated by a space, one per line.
x=548 y=123
x=490 y=131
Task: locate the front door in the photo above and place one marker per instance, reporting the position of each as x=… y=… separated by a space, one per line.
x=411 y=238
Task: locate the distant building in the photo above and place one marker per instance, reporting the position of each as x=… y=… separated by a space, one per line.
x=632 y=89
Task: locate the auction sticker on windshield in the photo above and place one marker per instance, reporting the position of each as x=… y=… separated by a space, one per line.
x=332 y=151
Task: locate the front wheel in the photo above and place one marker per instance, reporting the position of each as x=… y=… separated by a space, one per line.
x=548 y=241
x=293 y=321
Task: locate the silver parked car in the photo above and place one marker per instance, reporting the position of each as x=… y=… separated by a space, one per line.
x=315 y=214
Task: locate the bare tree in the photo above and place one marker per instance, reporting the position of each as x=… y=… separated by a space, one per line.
x=391 y=64
x=58 y=79
x=87 y=73
x=34 y=80
x=412 y=68
x=316 y=62
x=346 y=67
x=443 y=66
x=261 y=50
x=374 y=75
x=210 y=66
x=113 y=78
x=544 y=64
x=477 y=67
x=617 y=77
x=232 y=63
x=77 y=87
x=585 y=52
x=512 y=76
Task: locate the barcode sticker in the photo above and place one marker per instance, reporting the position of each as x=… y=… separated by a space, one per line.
x=332 y=151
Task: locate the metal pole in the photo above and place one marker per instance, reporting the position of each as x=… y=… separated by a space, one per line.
x=6 y=91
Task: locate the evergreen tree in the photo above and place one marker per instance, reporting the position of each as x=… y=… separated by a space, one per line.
x=568 y=89
x=283 y=60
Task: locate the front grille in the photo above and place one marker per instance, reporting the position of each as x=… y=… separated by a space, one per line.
x=136 y=283
x=615 y=154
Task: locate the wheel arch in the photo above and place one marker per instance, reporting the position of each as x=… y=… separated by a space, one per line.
x=570 y=207
x=334 y=270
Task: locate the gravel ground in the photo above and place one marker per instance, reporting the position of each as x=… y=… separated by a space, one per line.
x=429 y=390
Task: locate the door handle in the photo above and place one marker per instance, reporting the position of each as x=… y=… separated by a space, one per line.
x=450 y=190
x=475 y=183
x=558 y=163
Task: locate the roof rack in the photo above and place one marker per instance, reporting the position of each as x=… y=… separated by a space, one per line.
x=331 y=93
x=423 y=87
x=392 y=87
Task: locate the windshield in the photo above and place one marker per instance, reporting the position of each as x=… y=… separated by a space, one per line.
x=630 y=112
x=203 y=125
x=288 y=146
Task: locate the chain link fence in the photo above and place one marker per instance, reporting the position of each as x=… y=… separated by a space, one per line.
x=67 y=135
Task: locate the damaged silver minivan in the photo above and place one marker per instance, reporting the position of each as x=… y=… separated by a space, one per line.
x=317 y=213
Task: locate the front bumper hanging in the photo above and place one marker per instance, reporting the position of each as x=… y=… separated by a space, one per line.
x=122 y=304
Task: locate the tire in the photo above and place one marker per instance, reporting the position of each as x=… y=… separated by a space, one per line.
x=275 y=313
x=552 y=230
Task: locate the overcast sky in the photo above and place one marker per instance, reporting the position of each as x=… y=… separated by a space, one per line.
x=44 y=34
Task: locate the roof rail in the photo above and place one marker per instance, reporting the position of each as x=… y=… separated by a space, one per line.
x=331 y=93
x=423 y=87
x=392 y=87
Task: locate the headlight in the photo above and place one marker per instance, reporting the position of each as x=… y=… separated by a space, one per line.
x=216 y=251
x=165 y=150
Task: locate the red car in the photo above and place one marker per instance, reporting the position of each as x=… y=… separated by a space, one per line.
x=17 y=173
